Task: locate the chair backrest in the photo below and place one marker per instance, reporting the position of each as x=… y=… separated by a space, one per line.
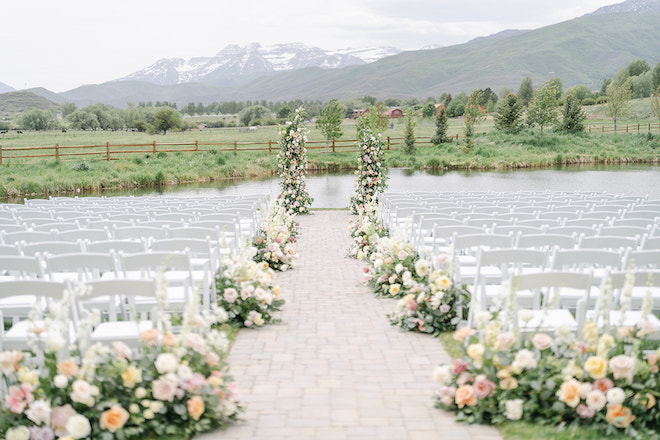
x=152 y=263
x=652 y=215
x=582 y=259
x=9 y=249
x=608 y=242
x=56 y=226
x=14 y=266
x=80 y=266
x=650 y=243
x=107 y=246
x=28 y=236
x=647 y=260
x=138 y=232
x=577 y=231
x=40 y=288
x=545 y=241
x=84 y=234
x=51 y=247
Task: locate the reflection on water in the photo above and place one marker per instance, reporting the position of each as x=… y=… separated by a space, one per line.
x=334 y=190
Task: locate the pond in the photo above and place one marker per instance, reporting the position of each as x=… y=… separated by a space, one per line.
x=335 y=190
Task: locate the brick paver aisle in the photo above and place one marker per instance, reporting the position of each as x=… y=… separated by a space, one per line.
x=335 y=369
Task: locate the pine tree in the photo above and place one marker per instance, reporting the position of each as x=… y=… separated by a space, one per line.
x=509 y=114
x=573 y=115
x=441 y=126
x=409 y=134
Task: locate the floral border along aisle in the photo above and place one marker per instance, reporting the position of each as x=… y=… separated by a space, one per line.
x=174 y=387
x=430 y=302
x=605 y=381
x=292 y=163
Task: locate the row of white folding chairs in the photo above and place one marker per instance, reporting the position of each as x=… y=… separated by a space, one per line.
x=551 y=299
x=163 y=200
x=176 y=267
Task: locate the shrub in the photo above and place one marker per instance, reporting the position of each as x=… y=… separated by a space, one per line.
x=82 y=166
x=159 y=178
x=601 y=99
x=589 y=101
x=220 y=160
x=161 y=155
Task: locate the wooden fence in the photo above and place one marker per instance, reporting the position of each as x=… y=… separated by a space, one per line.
x=110 y=151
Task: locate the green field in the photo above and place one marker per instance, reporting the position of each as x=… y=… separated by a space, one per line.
x=231 y=153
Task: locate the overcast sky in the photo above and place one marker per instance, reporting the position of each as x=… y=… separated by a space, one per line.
x=62 y=44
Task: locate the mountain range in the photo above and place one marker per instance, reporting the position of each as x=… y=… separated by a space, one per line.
x=585 y=50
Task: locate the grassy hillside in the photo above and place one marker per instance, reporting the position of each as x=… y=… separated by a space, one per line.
x=581 y=51
x=16 y=102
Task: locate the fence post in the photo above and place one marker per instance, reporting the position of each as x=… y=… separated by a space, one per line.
x=0 y=154
x=154 y=147
x=603 y=129
x=235 y=144
x=270 y=146
x=196 y=145
x=107 y=151
x=388 y=142
x=333 y=145
x=57 y=151
x=626 y=128
x=637 y=128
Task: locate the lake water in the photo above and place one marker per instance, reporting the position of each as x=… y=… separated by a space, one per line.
x=335 y=190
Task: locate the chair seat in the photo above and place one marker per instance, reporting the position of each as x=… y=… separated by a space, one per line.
x=548 y=321
x=123 y=331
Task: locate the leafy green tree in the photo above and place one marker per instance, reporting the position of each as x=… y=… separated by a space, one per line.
x=581 y=92
x=68 y=108
x=369 y=100
x=429 y=110
x=526 y=91
x=409 y=134
x=473 y=115
x=656 y=76
x=642 y=85
x=456 y=108
x=557 y=84
x=377 y=119
x=604 y=86
x=573 y=115
x=37 y=119
x=411 y=102
x=542 y=110
x=488 y=95
x=509 y=114
x=655 y=103
x=441 y=126
x=330 y=120
x=393 y=102
x=83 y=120
x=447 y=99
x=252 y=113
x=284 y=112
x=618 y=101
x=166 y=119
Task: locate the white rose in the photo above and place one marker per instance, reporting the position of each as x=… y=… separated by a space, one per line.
x=60 y=381
x=398 y=268
x=513 y=409
x=525 y=315
x=140 y=393
x=442 y=374
x=166 y=363
x=616 y=396
x=78 y=426
x=184 y=372
x=19 y=433
x=524 y=359
x=596 y=400
x=55 y=343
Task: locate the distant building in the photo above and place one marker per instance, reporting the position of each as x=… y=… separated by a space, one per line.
x=359 y=112
x=395 y=113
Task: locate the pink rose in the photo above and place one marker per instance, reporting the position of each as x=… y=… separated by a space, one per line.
x=542 y=341
x=622 y=367
x=483 y=387
x=122 y=350
x=459 y=366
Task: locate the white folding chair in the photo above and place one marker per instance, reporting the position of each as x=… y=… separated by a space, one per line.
x=51 y=247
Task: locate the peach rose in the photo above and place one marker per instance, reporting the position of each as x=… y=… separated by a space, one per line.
x=647 y=400
x=596 y=366
x=509 y=383
x=169 y=340
x=195 y=407
x=122 y=350
x=114 y=418
x=569 y=393
x=276 y=292
x=150 y=337
x=68 y=368
x=542 y=341
x=465 y=396
x=462 y=333
x=505 y=341
x=619 y=416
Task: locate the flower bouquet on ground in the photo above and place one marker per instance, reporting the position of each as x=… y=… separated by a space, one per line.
x=274 y=242
x=397 y=269
x=246 y=291
x=292 y=164
x=604 y=381
x=175 y=386
x=365 y=230
x=439 y=307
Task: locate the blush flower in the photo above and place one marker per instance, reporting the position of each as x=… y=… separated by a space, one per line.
x=113 y=419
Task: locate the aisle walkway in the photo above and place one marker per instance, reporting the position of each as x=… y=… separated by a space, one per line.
x=335 y=369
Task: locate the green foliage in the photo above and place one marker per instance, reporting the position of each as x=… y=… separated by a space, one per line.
x=82 y=166
x=35 y=119
x=284 y=112
x=429 y=110
x=618 y=100
x=68 y=108
x=441 y=126
x=456 y=108
x=509 y=114
x=589 y=101
x=409 y=134
x=656 y=76
x=526 y=91
x=330 y=120
x=473 y=115
x=543 y=109
x=248 y=115
x=167 y=118
x=573 y=115
x=581 y=92
x=655 y=103
x=376 y=120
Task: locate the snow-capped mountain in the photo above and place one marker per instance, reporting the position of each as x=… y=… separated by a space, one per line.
x=630 y=7
x=236 y=64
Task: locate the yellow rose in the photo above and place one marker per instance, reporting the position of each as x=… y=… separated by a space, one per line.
x=26 y=375
x=131 y=376
x=476 y=352
x=596 y=366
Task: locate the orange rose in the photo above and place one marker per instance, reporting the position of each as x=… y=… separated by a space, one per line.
x=113 y=419
x=68 y=368
x=195 y=407
x=465 y=396
x=169 y=340
x=619 y=416
x=276 y=292
x=150 y=337
x=569 y=393
x=647 y=400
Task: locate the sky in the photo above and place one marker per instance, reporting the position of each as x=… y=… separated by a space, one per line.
x=63 y=44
